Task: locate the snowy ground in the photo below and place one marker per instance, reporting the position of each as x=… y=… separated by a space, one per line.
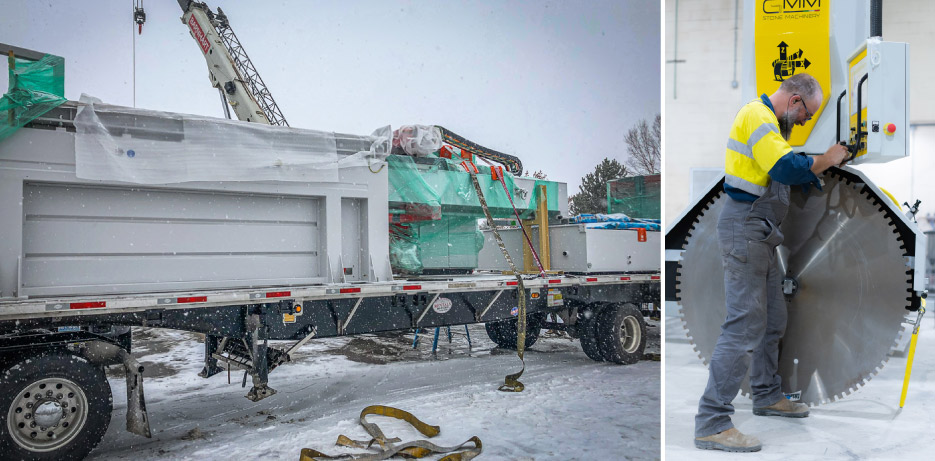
x=572 y=408
x=867 y=424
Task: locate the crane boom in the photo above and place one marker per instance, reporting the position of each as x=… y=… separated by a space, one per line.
x=230 y=69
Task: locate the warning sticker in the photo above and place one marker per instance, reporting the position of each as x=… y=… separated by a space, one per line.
x=555 y=298
x=288 y=318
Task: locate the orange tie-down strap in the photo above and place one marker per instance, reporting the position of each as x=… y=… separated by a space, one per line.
x=388 y=448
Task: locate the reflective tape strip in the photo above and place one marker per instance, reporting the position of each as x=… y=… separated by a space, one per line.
x=759 y=132
x=740 y=148
x=744 y=185
x=88 y=305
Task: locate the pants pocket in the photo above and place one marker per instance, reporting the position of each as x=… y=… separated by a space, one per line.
x=731 y=239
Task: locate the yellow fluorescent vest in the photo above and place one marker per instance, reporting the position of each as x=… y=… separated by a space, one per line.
x=753 y=147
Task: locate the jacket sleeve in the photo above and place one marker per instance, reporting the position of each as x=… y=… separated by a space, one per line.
x=793 y=169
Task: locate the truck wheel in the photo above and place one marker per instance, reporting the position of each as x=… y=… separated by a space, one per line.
x=621 y=334
x=587 y=331
x=53 y=407
x=503 y=332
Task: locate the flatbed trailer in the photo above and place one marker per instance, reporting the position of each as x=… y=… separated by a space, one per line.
x=56 y=401
x=273 y=261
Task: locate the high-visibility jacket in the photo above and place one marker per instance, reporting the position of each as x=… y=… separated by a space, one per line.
x=757 y=153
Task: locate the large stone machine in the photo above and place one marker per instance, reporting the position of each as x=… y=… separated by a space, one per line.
x=854 y=261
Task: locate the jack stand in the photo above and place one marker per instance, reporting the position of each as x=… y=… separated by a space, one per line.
x=211 y=364
x=260 y=358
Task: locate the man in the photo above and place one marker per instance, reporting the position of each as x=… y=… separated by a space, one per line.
x=760 y=167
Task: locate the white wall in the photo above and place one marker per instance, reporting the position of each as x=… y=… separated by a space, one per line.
x=698 y=118
x=703 y=105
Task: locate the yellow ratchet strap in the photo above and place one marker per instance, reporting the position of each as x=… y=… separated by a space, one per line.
x=511 y=382
x=912 y=353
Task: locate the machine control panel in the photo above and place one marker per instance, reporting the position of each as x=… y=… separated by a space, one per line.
x=878 y=101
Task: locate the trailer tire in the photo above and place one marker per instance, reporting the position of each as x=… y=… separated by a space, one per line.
x=621 y=334
x=503 y=332
x=62 y=390
x=587 y=331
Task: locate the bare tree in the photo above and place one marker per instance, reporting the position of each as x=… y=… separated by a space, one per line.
x=539 y=174
x=643 y=147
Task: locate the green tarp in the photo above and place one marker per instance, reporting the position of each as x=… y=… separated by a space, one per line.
x=435 y=211
x=36 y=87
x=635 y=196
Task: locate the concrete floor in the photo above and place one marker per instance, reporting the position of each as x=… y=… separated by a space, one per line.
x=867 y=424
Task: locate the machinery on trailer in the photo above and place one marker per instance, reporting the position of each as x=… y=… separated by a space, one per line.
x=849 y=252
x=251 y=233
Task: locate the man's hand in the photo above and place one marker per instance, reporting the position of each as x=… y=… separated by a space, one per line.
x=834 y=156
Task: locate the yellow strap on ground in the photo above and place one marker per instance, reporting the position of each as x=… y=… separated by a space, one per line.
x=387 y=449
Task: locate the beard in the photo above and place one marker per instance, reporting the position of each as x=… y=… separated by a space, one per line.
x=786 y=122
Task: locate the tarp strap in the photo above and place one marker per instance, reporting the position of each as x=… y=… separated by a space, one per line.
x=388 y=447
x=511 y=382
x=535 y=255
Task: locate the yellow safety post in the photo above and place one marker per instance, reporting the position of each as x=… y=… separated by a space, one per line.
x=912 y=353
x=529 y=262
x=542 y=218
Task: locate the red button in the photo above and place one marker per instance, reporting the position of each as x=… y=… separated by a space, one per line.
x=890 y=128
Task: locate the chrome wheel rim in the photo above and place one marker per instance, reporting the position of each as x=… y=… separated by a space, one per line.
x=47 y=415
x=631 y=335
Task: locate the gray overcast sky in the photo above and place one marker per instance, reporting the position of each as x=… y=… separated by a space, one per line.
x=556 y=83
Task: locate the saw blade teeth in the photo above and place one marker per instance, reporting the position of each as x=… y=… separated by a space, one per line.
x=693 y=281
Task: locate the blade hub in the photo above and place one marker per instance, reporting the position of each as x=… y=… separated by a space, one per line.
x=790 y=286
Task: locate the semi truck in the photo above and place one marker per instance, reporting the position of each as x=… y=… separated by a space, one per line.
x=246 y=231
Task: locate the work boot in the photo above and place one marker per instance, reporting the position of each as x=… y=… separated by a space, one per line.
x=784 y=407
x=730 y=440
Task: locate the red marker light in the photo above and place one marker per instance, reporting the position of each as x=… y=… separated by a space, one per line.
x=192 y=299
x=90 y=305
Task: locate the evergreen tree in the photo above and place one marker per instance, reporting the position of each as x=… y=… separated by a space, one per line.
x=592 y=193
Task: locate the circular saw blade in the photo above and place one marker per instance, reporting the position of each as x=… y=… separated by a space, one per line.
x=853 y=284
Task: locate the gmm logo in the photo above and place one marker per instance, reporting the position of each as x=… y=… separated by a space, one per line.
x=791 y=6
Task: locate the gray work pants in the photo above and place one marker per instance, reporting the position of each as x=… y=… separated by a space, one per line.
x=748 y=235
